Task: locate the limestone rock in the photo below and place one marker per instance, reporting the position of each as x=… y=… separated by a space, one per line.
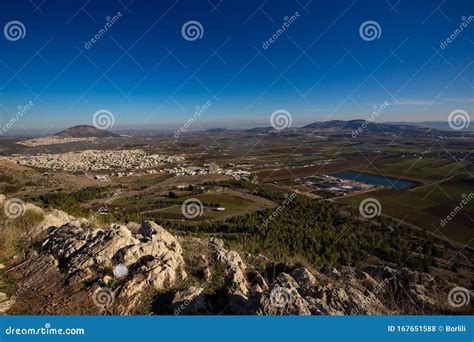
x=87 y=256
x=331 y=272
x=5 y=303
x=189 y=302
x=235 y=269
x=303 y=277
x=283 y=298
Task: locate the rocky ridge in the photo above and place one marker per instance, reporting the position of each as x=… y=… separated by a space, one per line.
x=82 y=269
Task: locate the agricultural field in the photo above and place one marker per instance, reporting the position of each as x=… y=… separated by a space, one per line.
x=426 y=206
x=425 y=170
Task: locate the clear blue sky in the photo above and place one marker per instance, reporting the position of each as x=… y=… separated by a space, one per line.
x=148 y=75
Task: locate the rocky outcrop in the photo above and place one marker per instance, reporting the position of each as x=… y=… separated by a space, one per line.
x=111 y=265
x=81 y=269
x=235 y=270
x=283 y=298
x=5 y=303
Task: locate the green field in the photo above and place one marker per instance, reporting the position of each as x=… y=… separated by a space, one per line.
x=426 y=206
x=423 y=170
x=232 y=204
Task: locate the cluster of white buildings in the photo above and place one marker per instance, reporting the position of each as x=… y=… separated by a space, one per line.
x=52 y=140
x=208 y=169
x=96 y=160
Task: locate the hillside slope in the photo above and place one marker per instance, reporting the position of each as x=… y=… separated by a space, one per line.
x=143 y=269
x=85 y=131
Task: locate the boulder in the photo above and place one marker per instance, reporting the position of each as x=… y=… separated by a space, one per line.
x=303 y=277
x=87 y=257
x=56 y=218
x=283 y=298
x=5 y=303
x=235 y=271
x=190 y=302
x=331 y=272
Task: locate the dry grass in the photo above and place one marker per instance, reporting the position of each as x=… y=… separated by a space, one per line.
x=300 y=261
x=15 y=234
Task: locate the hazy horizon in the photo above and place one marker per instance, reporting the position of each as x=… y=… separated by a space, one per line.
x=171 y=127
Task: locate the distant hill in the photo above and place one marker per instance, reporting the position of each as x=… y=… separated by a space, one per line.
x=216 y=130
x=341 y=126
x=260 y=130
x=439 y=125
x=85 y=131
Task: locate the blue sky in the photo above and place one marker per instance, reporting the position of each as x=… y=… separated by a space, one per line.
x=144 y=71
